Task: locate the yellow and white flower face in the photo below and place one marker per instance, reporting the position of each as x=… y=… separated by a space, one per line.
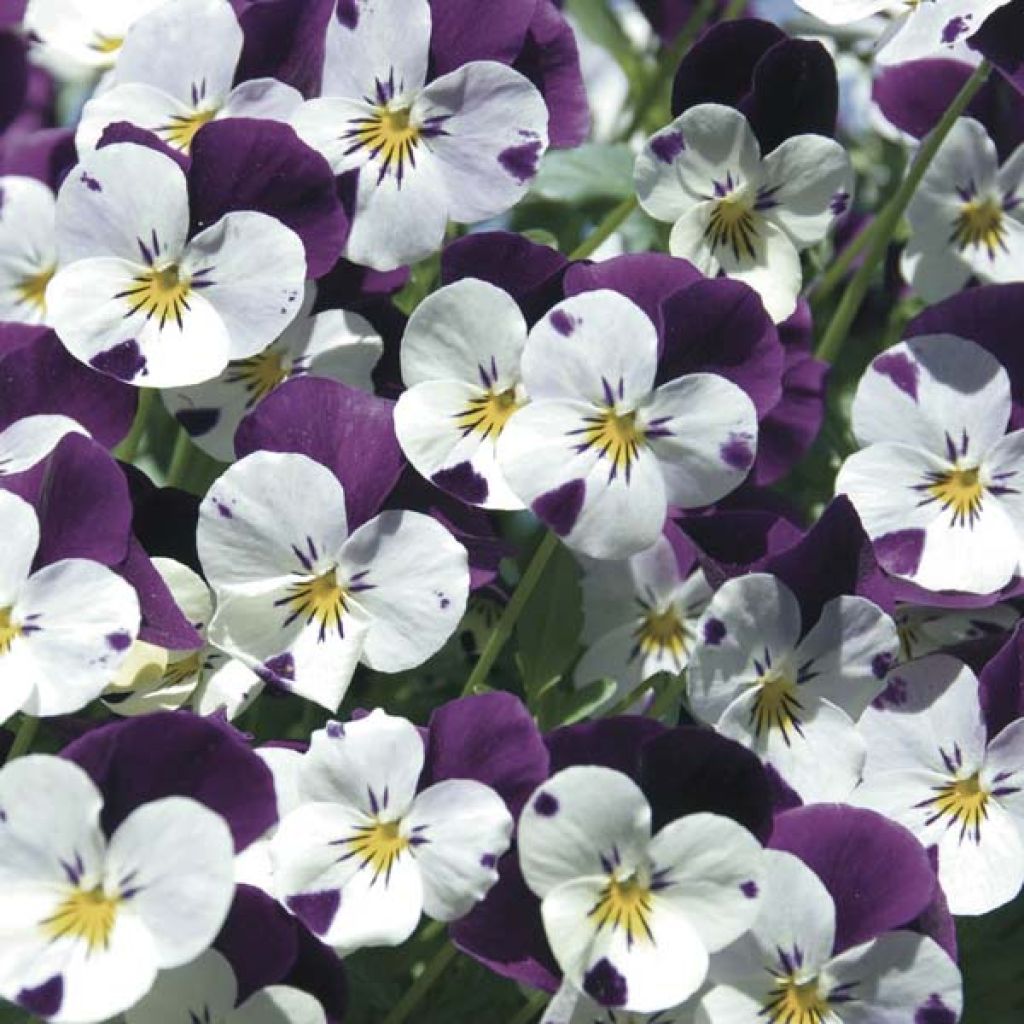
x=28 y=248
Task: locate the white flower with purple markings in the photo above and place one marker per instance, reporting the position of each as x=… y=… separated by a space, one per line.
x=28 y=248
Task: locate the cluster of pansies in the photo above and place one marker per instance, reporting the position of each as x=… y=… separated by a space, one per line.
x=511 y=511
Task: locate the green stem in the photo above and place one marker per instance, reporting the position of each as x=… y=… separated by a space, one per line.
x=422 y=985
x=128 y=449
x=612 y=222
x=179 y=459
x=510 y=616
x=833 y=277
x=23 y=738
x=533 y=1006
x=889 y=219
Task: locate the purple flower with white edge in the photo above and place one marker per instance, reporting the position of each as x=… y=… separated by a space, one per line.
x=736 y=212
x=966 y=217
x=301 y=600
x=640 y=615
x=28 y=248
x=939 y=28
x=785 y=970
x=207 y=990
x=91 y=918
x=789 y=691
x=936 y=484
x=335 y=343
x=174 y=75
x=461 y=364
x=366 y=855
x=463 y=147
x=64 y=629
x=632 y=917
x=137 y=299
x=932 y=767
x=923 y=630
x=599 y=453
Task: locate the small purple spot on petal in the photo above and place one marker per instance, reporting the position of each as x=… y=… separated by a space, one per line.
x=464 y=482
x=222 y=509
x=335 y=730
x=900 y=552
x=348 y=13
x=488 y=860
x=279 y=670
x=545 y=805
x=714 y=631
x=44 y=1001
x=749 y=889
x=562 y=322
x=316 y=910
x=91 y=183
x=124 y=361
x=561 y=507
x=737 y=452
x=119 y=641
x=954 y=29
x=198 y=421
x=894 y=695
x=667 y=146
x=521 y=161
x=901 y=370
x=605 y=985
x=880 y=665
x=840 y=204
x=935 y=1011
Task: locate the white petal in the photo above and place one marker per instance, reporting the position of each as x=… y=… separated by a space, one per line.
x=264 y=99
x=207 y=986
x=926 y=31
x=29 y=440
x=842 y=12
x=279 y=1004
x=933 y=273
x=20 y=529
x=136 y=103
x=1003 y=771
x=231 y=686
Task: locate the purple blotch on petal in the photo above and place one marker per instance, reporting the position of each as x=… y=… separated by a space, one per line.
x=198 y=421
x=605 y=985
x=954 y=29
x=348 y=13
x=124 y=361
x=119 y=641
x=562 y=322
x=900 y=552
x=223 y=510
x=44 y=1001
x=280 y=669
x=737 y=452
x=488 y=860
x=668 y=146
x=545 y=805
x=463 y=481
x=91 y=183
x=880 y=665
x=901 y=370
x=521 y=161
x=894 y=694
x=935 y=1011
x=316 y=910
x=561 y=507
x=714 y=631
x=749 y=889
x=335 y=730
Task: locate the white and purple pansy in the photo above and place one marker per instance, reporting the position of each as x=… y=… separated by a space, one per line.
x=28 y=248
x=462 y=147
x=937 y=484
x=632 y=917
x=27 y=441
x=966 y=217
x=785 y=970
x=924 y=630
x=461 y=364
x=174 y=74
x=932 y=767
x=790 y=691
x=600 y=451
x=139 y=300
x=335 y=343
x=736 y=212
x=303 y=601
x=366 y=855
x=65 y=628
x=89 y=919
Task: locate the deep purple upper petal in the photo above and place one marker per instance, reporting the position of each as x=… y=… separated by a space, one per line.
x=610 y=742
x=1002 y=684
x=460 y=34
x=1001 y=40
x=13 y=74
x=46 y=155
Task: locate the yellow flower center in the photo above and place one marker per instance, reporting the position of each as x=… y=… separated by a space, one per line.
x=32 y=288
x=181 y=129
x=390 y=137
x=88 y=915
x=661 y=632
x=733 y=225
x=965 y=803
x=259 y=374
x=106 y=44
x=625 y=904
x=615 y=437
x=776 y=705
x=9 y=630
x=182 y=670
x=379 y=846
x=958 y=490
x=488 y=414
x=320 y=599
x=980 y=223
x=159 y=292
x=796 y=1002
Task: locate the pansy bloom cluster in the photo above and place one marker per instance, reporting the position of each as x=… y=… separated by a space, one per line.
x=511 y=511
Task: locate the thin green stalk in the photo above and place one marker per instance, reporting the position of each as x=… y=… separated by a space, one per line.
x=613 y=220
x=23 y=738
x=510 y=616
x=179 y=459
x=128 y=449
x=833 y=277
x=417 y=992
x=890 y=217
x=533 y=1006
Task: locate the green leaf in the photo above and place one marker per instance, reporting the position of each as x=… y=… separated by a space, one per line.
x=548 y=631
x=600 y=25
x=592 y=171
x=566 y=705
x=992 y=961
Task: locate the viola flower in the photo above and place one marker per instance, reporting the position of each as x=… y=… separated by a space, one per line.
x=938 y=28
x=174 y=74
x=936 y=482
x=640 y=615
x=301 y=600
x=464 y=147
x=966 y=217
x=89 y=920
x=932 y=768
x=137 y=299
x=785 y=971
x=788 y=692
x=206 y=990
x=367 y=855
x=336 y=343
x=570 y=1006
x=461 y=355
x=599 y=453
x=155 y=679
x=631 y=918
x=737 y=213
x=28 y=248
x=28 y=441
x=65 y=629
x=924 y=630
